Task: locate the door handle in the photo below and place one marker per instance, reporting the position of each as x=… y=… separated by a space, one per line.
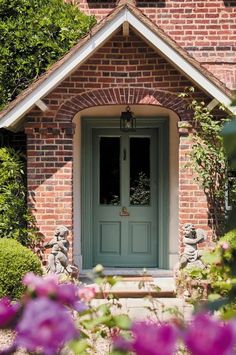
x=124 y=154
x=124 y=212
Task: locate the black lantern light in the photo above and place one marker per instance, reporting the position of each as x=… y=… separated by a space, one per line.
x=127 y=120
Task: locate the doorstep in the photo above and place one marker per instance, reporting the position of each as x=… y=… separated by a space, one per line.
x=134 y=283
x=154 y=272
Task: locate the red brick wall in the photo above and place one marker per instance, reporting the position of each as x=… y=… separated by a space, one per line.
x=49 y=171
x=121 y=62
x=125 y=70
x=205 y=28
x=192 y=200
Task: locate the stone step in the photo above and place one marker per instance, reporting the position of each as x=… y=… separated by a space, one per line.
x=147 y=308
x=138 y=287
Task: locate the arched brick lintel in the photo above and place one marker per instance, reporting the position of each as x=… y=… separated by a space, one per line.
x=122 y=96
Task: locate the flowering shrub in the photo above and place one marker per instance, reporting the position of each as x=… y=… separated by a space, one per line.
x=203 y=336
x=52 y=314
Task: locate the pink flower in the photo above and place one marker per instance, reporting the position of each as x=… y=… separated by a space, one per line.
x=45 y=326
x=208 y=336
x=42 y=286
x=154 y=339
x=8 y=311
x=224 y=245
x=87 y=293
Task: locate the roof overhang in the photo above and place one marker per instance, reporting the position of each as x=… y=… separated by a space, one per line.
x=11 y=116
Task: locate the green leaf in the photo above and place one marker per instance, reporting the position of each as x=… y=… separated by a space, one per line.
x=210 y=258
x=214 y=297
x=93 y=323
x=79 y=346
x=122 y=321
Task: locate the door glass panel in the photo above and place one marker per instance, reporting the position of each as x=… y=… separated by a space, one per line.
x=109 y=170
x=140 y=171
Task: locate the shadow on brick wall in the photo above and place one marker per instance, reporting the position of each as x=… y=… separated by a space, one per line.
x=157 y=3
x=230 y=3
x=14 y=140
x=110 y=4
x=100 y=4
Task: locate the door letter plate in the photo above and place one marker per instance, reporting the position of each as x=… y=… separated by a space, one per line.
x=124 y=212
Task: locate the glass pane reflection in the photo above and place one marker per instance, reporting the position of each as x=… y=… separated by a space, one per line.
x=139 y=171
x=109 y=170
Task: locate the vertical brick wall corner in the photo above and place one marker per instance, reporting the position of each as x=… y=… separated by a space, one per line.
x=193 y=206
x=50 y=171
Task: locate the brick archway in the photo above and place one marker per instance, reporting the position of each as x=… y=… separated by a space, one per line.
x=122 y=96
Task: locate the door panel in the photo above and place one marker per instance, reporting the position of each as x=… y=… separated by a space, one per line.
x=110 y=237
x=139 y=238
x=125 y=197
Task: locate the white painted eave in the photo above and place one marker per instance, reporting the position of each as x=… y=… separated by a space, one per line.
x=93 y=44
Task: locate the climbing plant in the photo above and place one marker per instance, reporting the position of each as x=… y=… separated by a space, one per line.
x=208 y=159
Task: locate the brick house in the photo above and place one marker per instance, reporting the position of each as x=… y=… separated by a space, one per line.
x=125 y=195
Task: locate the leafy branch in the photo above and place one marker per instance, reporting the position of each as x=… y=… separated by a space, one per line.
x=208 y=159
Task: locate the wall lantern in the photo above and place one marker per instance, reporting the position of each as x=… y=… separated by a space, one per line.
x=127 y=120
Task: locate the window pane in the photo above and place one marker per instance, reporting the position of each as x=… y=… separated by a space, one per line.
x=110 y=170
x=139 y=171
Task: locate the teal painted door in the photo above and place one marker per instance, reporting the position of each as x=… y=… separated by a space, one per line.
x=124 y=168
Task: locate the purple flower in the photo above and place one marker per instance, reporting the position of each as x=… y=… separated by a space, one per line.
x=67 y=294
x=122 y=344
x=8 y=311
x=48 y=286
x=208 y=336
x=42 y=286
x=154 y=339
x=80 y=306
x=45 y=326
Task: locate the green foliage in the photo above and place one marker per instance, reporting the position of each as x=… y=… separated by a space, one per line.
x=14 y=216
x=229 y=135
x=33 y=35
x=209 y=160
x=218 y=278
x=230 y=238
x=15 y=261
x=229 y=138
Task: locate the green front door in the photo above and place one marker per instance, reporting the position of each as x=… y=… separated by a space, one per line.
x=125 y=197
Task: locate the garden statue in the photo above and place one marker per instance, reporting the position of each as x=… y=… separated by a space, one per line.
x=58 y=261
x=191 y=255
x=186 y=286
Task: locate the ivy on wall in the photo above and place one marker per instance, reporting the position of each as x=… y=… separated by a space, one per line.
x=209 y=161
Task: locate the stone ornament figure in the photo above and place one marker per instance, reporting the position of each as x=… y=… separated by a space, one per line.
x=58 y=261
x=191 y=238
